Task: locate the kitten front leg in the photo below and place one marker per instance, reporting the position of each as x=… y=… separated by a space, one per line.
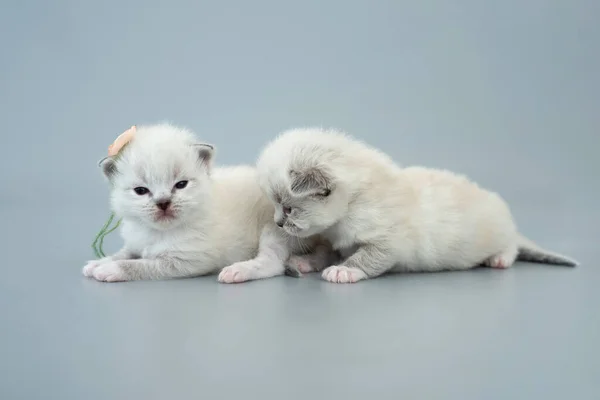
x=144 y=269
x=368 y=261
x=273 y=251
x=123 y=254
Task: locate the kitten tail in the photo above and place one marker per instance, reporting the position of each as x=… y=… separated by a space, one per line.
x=529 y=251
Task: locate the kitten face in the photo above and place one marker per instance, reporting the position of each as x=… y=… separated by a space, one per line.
x=307 y=203
x=161 y=179
x=161 y=201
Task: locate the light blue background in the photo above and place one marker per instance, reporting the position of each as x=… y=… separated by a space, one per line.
x=506 y=92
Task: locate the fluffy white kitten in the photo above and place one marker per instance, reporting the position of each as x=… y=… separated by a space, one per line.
x=183 y=218
x=382 y=217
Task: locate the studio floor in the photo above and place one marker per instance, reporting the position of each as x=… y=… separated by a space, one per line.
x=529 y=332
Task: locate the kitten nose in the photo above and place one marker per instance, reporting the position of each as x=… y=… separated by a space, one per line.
x=163 y=205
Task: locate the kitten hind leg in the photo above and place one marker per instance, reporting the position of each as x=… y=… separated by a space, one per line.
x=504 y=259
x=323 y=256
x=303 y=263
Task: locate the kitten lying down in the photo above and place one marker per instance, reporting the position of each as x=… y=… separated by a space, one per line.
x=183 y=218
x=382 y=217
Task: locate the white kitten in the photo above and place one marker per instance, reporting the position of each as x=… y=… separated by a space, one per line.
x=384 y=218
x=182 y=218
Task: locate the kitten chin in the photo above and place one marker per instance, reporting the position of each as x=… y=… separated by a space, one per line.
x=385 y=218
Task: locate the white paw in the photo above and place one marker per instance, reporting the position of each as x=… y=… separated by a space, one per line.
x=343 y=274
x=109 y=272
x=238 y=272
x=302 y=264
x=88 y=269
x=498 y=262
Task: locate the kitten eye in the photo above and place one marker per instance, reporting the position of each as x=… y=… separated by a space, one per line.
x=287 y=210
x=324 y=193
x=181 y=184
x=141 y=190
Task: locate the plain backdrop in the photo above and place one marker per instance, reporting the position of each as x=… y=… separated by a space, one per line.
x=505 y=91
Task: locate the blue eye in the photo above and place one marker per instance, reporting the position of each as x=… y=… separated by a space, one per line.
x=181 y=184
x=141 y=190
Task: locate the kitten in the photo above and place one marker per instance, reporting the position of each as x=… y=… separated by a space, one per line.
x=382 y=217
x=182 y=217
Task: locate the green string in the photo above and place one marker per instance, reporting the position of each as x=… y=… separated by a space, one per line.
x=99 y=240
x=96 y=251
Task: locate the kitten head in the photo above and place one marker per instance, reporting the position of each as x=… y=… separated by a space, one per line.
x=161 y=178
x=307 y=202
x=299 y=175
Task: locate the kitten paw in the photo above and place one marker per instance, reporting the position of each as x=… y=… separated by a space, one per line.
x=109 y=272
x=497 y=262
x=343 y=274
x=500 y=261
x=300 y=263
x=88 y=269
x=238 y=272
x=503 y=260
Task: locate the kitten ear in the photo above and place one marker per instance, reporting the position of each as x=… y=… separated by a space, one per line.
x=109 y=167
x=312 y=180
x=205 y=153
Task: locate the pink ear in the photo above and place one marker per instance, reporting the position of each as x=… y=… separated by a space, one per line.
x=121 y=141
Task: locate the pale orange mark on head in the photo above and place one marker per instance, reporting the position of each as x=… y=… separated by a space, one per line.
x=121 y=141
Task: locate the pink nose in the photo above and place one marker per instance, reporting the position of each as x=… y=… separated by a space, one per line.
x=163 y=205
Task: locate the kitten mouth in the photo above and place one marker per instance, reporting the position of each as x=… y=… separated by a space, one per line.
x=165 y=216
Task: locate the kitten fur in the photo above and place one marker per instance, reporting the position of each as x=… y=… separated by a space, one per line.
x=216 y=220
x=385 y=218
